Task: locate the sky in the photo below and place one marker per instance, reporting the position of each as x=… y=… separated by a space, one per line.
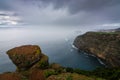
x=61 y=13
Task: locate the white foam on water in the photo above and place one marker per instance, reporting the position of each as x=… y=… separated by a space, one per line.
x=74 y=47
x=100 y=61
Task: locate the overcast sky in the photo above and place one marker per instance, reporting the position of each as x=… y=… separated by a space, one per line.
x=62 y=13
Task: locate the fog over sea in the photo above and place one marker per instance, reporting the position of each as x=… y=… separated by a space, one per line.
x=57 y=44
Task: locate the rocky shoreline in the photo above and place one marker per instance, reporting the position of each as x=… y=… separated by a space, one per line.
x=103 y=45
x=101 y=62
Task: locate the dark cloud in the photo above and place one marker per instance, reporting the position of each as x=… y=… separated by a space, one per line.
x=100 y=8
x=72 y=12
x=78 y=5
x=108 y=10
x=74 y=6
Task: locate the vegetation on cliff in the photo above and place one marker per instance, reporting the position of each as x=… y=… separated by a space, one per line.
x=104 y=45
x=103 y=73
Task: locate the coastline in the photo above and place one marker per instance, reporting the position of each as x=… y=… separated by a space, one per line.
x=100 y=61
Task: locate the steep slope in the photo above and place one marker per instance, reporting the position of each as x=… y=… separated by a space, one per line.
x=104 y=45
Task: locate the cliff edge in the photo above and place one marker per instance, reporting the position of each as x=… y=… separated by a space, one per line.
x=104 y=45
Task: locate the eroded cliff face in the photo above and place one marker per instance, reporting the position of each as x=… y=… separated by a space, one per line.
x=104 y=45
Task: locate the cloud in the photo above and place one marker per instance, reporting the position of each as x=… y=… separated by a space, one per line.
x=65 y=12
x=8 y=18
x=75 y=6
x=6 y=5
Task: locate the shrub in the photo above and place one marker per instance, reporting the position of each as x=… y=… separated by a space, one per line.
x=43 y=65
x=68 y=69
x=48 y=73
x=69 y=77
x=107 y=73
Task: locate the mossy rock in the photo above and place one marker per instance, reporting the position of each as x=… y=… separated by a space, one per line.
x=55 y=66
x=25 y=56
x=49 y=72
x=43 y=63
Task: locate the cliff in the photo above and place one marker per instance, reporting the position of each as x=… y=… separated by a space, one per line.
x=104 y=45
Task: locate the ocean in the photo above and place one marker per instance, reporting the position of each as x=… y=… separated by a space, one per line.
x=56 y=44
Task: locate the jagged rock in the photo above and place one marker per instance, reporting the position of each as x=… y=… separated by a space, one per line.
x=25 y=56
x=104 y=45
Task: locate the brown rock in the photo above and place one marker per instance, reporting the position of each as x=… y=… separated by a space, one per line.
x=55 y=66
x=10 y=76
x=25 y=56
x=43 y=63
x=37 y=74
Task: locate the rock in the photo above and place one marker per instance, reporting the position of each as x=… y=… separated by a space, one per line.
x=25 y=56
x=55 y=66
x=10 y=76
x=104 y=45
x=43 y=63
x=37 y=74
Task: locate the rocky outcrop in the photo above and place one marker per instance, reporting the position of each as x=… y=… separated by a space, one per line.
x=24 y=57
x=104 y=45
